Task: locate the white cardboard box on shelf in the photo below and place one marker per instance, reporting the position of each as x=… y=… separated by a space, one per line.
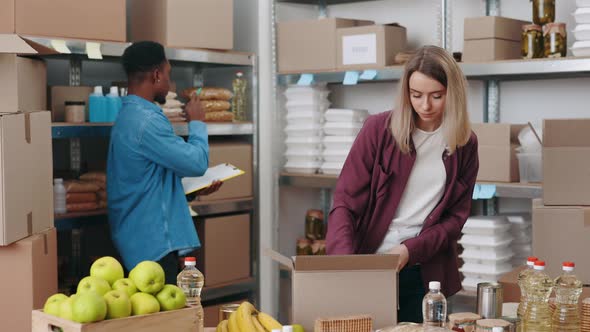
x=329 y=286
x=26 y=198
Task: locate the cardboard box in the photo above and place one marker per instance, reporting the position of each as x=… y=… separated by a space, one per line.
x=239 y=155
x=350 y=285
x=29 y=276
x=490 y=38
x=26 y=171
x=212 y=312
x=7 y=16
x=224 y=256
x=566 y=161
x=184 y=23
x=497 y=151
x=373 y=46
x=60 y=94
x=297 y=52
x=561 y=233
x=93 y=20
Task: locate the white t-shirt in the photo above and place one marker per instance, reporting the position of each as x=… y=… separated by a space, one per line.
x=423 y=191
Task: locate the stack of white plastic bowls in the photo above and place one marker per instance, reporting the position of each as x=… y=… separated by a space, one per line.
x=581 y=46
x=341 y=127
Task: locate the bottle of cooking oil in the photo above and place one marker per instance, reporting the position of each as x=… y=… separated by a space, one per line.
x=538 y=289
x=239 y=85
x=522 y=277
x=191 y=281
x=568 y=289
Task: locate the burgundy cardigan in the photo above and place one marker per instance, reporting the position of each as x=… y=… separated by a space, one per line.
x=369 y=191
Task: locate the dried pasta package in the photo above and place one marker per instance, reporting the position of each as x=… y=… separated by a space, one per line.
x=94 y=176
x=210 y=93
x=102 y=204
x=73 y=186
x=102 y=195
x=215 y=105
x=81 y=207
x=72 y=198
x=224 y=116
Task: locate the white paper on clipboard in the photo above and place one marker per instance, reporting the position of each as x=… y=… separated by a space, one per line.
x=221 y=172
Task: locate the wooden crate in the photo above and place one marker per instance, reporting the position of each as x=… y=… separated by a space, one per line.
x=176 y=320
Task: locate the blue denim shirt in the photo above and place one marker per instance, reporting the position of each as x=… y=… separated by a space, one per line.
x=148 y=211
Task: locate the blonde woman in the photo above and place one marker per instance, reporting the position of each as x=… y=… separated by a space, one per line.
x=407 y=183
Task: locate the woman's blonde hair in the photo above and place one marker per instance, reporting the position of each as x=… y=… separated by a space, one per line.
x=436 y=63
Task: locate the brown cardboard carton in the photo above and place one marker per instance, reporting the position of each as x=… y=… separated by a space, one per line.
x=7 y=16
x=297 y=52
x=26 y=198
x=93 y=20
x=239 y=155
x=566 y=160
x=29 y=276
x=224 y=256
x=184 y=23
x=497 y=151
x=332 y=286
x=373 y=46
x=490 y=50
x=60 y=94
x=486 y=27
x=561 y=233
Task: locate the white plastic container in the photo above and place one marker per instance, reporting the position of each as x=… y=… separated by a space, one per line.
x=490 y=254
x=331 y=168
x=336 y=156
x=298 y=104
x=483 y=269
x=342 y=128
x=497 y=261
x=583 y=3
x=530 y=166
x=582 y=32
x=298 y=130
x=581 y=48
x=301 y=155
x=346 y=115
x=478 y=241
x=582 y=15
x=303 y=142
x=528 y=140
x=304 y=117
x=302 y=167
x=338 y=142
x=481 y=225
x=59 y=196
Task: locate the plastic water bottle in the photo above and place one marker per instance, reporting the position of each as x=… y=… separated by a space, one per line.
x=434 y=307
x=522 y=279
x=191 y=281
x=238 y=107
x=59 y=196
x=114 y=104
x=568 y=289
x=538 y=289
x=97 y=106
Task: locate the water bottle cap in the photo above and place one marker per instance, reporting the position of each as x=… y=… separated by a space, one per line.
x=58 y=181
x=239 y=74
x=192 y=261
x=568 y=266
x=114 y=91
x=539 y=265
x=531 y=260
x=98 y=90
x=434 y=285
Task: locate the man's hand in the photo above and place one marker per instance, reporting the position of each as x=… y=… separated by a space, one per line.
x=214 y=187
x=193 y=109
x=403 y=253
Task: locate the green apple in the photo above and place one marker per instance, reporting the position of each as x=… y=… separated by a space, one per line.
x=171 y=298
x=108 y=269
x=148 y=276
x=93 y=284
x=118 y=304
x=65 y=308
x=89 y=307
x=143 y=304
x=127 y=285
x=52 y=304
x=298 y=328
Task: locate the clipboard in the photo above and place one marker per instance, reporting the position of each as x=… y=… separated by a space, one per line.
x=221 y=172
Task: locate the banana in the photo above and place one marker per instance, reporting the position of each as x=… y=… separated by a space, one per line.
x=268 y=322
x=232 y=324
x=259 y=327
x=222 y=327
x=244 y=317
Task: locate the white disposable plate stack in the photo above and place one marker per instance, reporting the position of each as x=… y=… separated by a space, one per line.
x=487 y=253
x=581 y=46
x=522 y=231
x=341 y=127
x=306 y=106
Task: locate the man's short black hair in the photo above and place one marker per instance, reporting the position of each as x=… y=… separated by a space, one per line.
x=143 y=57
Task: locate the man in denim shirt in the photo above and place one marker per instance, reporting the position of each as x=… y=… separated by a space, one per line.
x=148 y=211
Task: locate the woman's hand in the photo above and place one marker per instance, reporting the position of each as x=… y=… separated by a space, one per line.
x=403 y=253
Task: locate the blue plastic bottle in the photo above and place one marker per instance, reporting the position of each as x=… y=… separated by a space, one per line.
x=114 y=104
x=97 y=106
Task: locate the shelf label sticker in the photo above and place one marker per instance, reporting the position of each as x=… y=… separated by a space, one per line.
x=484 y=191
x=369 y=74
x=305 y=79
x=351 y=78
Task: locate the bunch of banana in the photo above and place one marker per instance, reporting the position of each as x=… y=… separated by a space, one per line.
x=248 y=319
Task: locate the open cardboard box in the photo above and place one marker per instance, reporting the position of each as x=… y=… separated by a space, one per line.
x=332 y=286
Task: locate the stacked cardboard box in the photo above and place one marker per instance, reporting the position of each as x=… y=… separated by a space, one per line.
x=561 y=221
x=28 y=250
x=497 y=151
x=492 y=38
